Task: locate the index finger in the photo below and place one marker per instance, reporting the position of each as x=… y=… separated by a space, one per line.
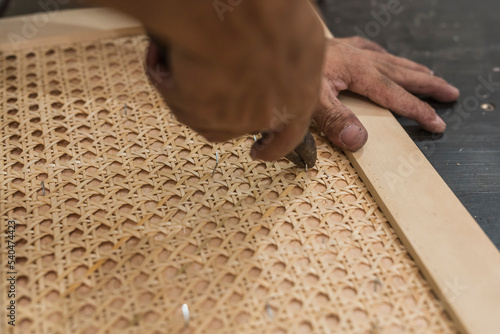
x=382 y=90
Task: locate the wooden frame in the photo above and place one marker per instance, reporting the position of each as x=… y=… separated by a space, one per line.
x=65 y=26
x=454 y=254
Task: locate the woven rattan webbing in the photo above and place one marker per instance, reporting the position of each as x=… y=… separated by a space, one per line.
x=130 y=223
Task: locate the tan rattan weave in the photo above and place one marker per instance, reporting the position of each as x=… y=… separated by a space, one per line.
x=133 y=224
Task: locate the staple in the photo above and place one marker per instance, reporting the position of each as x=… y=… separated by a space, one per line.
x=307 y=168
x=216 y=162
x=43 y=188
x=254 y=138
x=125 y=109
x=185 y=314
x=269 y=310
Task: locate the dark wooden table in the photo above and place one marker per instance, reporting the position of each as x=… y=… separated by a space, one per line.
x=459 y=40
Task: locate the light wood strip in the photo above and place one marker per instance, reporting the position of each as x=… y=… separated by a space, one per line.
x=455 y=255
x=24 y=32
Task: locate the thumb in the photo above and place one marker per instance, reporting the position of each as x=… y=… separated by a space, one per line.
x=340 y=125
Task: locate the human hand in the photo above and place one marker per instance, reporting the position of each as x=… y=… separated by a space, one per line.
x=365 y=68
x=260 y=73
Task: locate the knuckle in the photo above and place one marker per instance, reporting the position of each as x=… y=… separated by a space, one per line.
x=422 y=112
x=359 y=40
x=355 y=73
x=428 y=115
x=405 y=74
x=389 y=93
x=388 y=84
x=330 y=119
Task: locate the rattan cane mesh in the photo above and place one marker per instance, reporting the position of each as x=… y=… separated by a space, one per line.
x=131 y=223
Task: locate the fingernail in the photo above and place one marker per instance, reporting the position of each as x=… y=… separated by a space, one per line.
x=439 y=124
x=455 y=90
x=431 y=72
x=351 y=135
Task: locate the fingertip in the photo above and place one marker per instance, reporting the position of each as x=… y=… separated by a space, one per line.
x=275 y=145
x=455 y=92
x=262 y=151
x=439 y=124
x=448 y=94
x=254 y=151
x=353 y=137
x=340 y=125
x=260 y=145
x=263 y=148
x=436 y=126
